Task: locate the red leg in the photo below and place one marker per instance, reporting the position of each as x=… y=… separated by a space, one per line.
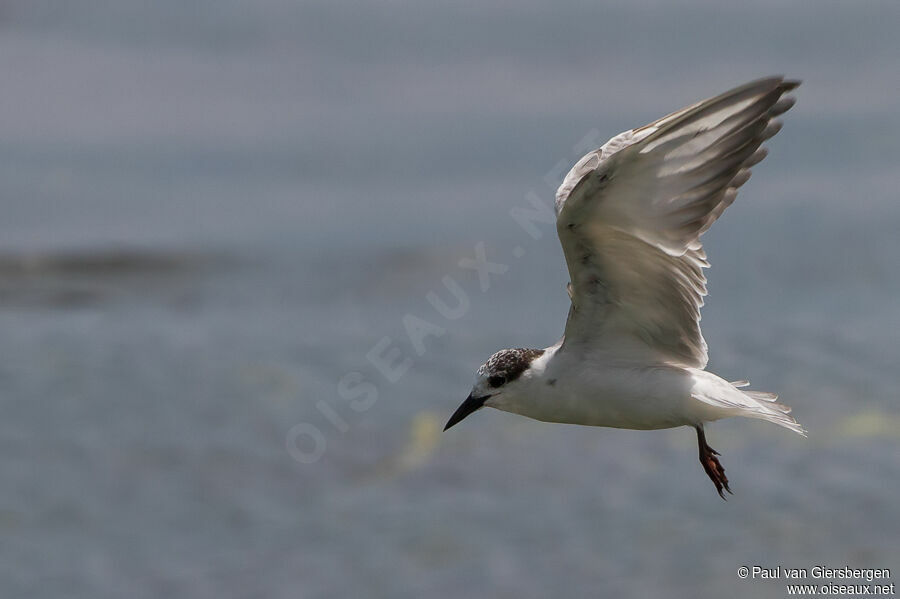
x=711 y=465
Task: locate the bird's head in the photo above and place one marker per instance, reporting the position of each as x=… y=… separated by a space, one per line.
x=497 y=379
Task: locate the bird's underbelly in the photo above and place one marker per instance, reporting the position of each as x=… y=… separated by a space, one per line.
x=626 y=398
x=612 y=410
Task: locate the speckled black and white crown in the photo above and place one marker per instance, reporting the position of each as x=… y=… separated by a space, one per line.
x=509 y=363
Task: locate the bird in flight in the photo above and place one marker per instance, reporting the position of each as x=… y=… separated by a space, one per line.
x=630 y=216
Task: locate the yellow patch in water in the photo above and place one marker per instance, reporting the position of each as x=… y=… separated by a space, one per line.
x=424 y=434
x=870 y=423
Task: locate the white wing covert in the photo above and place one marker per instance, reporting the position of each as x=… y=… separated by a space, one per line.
x=630 y=216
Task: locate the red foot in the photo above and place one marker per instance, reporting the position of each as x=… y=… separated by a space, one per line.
x=711 y=465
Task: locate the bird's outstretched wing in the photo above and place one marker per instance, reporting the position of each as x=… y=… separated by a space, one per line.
x=630 y=216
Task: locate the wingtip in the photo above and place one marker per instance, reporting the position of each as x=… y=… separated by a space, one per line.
x=779 y=81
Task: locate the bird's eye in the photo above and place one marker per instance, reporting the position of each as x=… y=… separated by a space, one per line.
x=496 y=381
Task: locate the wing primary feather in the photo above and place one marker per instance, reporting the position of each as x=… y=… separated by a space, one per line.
x=757 y=157
x=630 y=216
x=771 y=129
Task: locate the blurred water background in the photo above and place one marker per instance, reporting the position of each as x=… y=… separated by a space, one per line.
x=212 y=212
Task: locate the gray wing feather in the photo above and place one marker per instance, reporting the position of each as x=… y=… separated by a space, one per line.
x=630 y=216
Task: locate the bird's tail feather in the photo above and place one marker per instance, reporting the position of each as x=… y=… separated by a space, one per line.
x=744 y=402
x=771 y=400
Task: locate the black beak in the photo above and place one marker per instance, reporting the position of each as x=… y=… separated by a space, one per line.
x=470 y=405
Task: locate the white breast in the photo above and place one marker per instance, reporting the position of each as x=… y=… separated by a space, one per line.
x=590 y=392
